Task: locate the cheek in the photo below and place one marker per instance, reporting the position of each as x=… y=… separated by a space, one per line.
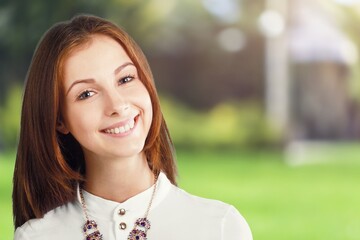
x=147 y=106
x=150 y=111
x=143 y=102
x=77 y=119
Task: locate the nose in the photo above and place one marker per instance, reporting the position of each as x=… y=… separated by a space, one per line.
x=115 y=104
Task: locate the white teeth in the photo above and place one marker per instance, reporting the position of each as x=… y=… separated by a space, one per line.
x=131 y=123
x=127 y=127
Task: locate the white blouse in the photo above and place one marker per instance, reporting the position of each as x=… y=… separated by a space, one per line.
x=174 y=215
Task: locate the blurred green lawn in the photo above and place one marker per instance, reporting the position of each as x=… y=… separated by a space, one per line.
x=318 y=201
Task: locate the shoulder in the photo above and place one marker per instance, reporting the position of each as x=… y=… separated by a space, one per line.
x=197 y=203
x=217 y=214
x=234 y=224
x=56 y=224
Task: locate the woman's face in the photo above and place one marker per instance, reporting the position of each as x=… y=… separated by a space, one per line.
x=105 y=107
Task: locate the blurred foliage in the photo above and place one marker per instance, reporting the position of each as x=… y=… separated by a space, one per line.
x=228 y=124
x=10 y=118
x=22 y=23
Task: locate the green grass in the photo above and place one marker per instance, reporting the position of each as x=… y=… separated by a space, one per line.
x=313 y=201
x=6 y=172
x=279 y=202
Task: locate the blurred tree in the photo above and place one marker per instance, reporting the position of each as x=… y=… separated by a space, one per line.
x=10 y=118
x=22 y=23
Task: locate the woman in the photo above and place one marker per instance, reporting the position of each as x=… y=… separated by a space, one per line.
x=95 y=158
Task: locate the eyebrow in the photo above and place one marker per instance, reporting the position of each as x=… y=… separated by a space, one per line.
x=91 y=80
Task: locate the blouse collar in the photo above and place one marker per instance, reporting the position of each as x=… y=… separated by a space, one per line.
x=135 y=206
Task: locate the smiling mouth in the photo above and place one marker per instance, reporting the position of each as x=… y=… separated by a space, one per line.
x=122 y=129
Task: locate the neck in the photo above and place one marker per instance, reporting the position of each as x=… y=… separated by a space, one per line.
x=118 y=179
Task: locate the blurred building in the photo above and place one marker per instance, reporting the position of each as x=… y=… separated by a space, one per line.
x=320 y=58
x=311 y=97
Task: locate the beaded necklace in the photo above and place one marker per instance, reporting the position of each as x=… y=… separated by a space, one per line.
x=139 y=232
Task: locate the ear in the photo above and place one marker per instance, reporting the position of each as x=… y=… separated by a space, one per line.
x=60 y=126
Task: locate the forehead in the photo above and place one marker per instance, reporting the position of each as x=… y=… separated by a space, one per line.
x=97 y=57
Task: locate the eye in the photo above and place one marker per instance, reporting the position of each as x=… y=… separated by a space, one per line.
x=126 y=79
x=85 y=94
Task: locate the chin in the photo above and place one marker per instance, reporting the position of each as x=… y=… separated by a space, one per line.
x=130 y=151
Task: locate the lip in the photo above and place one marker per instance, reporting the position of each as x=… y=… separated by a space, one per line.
x=121 y=124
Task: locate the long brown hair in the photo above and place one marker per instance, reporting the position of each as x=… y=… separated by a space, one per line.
x=48 y=163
